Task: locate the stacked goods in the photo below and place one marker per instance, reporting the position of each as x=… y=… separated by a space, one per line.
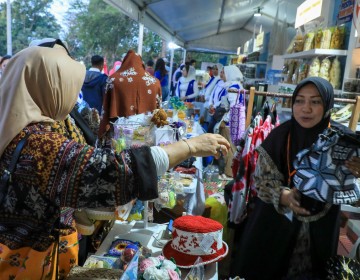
x=325 y=69
x=337 y=38
x=328 y=38
x=335 y=74
x=314 y=67
x=309 y=41
x=295 y=71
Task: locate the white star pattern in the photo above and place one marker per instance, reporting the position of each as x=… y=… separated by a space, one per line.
x=150 y=80
x=130 y=79
x=132 y=107
x=149 y=91
x=121 y=80
x=129 y=72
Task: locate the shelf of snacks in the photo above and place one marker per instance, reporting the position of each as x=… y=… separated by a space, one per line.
x=289 y=88
x=315 y=52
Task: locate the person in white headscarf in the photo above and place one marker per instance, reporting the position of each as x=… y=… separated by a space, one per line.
x=187 y=88
x=224 y=94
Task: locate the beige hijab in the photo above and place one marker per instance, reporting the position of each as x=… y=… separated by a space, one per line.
x=40 y=84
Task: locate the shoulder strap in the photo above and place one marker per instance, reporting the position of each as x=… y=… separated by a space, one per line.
x=7 y=172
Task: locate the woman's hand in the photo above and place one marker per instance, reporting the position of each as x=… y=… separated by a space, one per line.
x=354 y=166
x=209 y=144
x=291 y=199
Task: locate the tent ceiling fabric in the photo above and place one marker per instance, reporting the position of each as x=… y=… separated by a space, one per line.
x=208 y=25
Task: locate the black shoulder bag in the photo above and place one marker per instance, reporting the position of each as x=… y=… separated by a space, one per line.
x=6 y=177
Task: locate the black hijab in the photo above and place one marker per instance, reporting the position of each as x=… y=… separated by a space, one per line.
x=300 y=138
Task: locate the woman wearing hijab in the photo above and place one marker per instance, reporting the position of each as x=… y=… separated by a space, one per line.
x=282 y=239
x=3 y=62
x=41 y=86
x=132 y=90
x=187 y=88
x=117 y=65
x=222 y=97
x=163 y=76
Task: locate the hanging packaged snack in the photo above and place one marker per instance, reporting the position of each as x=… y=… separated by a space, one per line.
x=335 y=74
x=337 y=38
x=314 y=68
x=326 y=39
x=325 y=69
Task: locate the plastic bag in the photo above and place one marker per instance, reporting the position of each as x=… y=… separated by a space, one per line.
x=197 y=272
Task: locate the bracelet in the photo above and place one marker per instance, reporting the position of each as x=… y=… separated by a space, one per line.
x=188 y=146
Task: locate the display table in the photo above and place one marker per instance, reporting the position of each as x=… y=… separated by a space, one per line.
x=135 y=231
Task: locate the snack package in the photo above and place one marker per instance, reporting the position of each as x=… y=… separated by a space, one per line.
x=290 y=48
x=309 y=41
x=337 y=38
x=326 y=39
x=325 y=69
x=102 y=262
x=335 y=74
x=292 y=67
x=314 y=68
x=118 y=246
x=303 y=71
x=295 y=74
x=299 y=42
x=318 y=38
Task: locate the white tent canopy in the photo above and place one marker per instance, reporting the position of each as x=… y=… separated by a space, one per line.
x=208 y=25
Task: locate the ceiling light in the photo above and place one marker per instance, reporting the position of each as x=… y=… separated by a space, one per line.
x=258 y=13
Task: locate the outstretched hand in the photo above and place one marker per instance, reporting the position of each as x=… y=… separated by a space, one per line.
x=209 y=144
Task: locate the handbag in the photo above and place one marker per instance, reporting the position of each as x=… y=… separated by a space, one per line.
x=320 y=170
x=237 y=119
x=7 y=172
x=219 y=113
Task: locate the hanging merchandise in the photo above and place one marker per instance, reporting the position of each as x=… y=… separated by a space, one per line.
x=244 y=162
x=237 y=119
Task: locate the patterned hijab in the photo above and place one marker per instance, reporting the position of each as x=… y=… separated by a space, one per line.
x=132 y=91
x=40 y=85
x=300 y=138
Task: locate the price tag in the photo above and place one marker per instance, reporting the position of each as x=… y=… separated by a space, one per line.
x=206 y=243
